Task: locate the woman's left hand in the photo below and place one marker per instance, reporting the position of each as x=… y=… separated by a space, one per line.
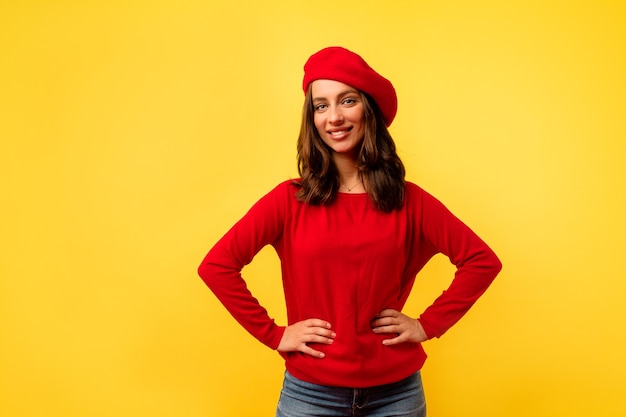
x=393 y=321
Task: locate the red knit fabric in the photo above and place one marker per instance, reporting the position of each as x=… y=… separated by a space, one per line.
x=339 y=64
x=345 y=263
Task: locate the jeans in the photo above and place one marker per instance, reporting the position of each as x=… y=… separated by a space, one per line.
x=399 y=399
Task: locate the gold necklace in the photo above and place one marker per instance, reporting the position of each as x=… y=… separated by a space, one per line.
x=351 y=188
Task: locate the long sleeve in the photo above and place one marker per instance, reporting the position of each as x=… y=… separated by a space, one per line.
x=477 y=266
x=221 y=268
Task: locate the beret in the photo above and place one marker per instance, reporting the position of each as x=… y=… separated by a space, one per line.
x=339 y=64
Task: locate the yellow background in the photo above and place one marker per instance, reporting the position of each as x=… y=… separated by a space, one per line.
x=135 y=133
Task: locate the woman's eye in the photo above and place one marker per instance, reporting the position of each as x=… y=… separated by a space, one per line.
x=320 y=107
x=349 y=101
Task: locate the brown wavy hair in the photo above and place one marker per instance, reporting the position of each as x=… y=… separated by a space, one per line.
x=380 y=168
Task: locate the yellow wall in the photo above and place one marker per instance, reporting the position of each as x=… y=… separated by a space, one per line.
x=134 y=133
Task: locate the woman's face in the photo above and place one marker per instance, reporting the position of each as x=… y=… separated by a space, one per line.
x=338 y=115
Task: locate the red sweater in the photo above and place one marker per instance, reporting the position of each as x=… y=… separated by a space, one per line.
x=345 y=263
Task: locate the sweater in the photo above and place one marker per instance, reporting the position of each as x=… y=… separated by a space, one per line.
x=345 y=262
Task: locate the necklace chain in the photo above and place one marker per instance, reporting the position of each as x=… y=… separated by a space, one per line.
x=351 y=188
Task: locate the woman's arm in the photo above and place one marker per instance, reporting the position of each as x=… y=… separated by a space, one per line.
x=221 y=267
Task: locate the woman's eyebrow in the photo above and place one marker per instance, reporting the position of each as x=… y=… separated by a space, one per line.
x=342 y=94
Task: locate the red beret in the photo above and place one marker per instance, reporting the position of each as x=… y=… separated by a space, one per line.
x=339 y=64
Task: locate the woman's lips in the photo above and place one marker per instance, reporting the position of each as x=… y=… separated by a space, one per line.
x=339 y=133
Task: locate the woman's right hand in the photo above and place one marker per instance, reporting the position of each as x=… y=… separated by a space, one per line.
x=298 y=336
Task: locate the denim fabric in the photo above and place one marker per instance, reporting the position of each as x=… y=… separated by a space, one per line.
x=399 y=399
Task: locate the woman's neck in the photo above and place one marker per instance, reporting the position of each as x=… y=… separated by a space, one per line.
x=349 y=177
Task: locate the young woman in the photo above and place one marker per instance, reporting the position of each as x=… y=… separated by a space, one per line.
x=351 y=235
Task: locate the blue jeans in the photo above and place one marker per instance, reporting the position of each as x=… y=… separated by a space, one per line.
x=399 y=399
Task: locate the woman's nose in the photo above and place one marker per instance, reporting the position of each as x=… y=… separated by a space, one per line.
x=336 y=115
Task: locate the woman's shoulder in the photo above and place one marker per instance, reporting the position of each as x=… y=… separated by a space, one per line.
x=284 y=190
x=277 y=199
x=418 y=195
x=413 y=189
x=289 y=186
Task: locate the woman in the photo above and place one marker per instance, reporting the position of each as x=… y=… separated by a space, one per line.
x=351 y=235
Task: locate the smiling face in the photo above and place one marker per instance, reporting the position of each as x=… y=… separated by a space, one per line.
x=338 y=116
